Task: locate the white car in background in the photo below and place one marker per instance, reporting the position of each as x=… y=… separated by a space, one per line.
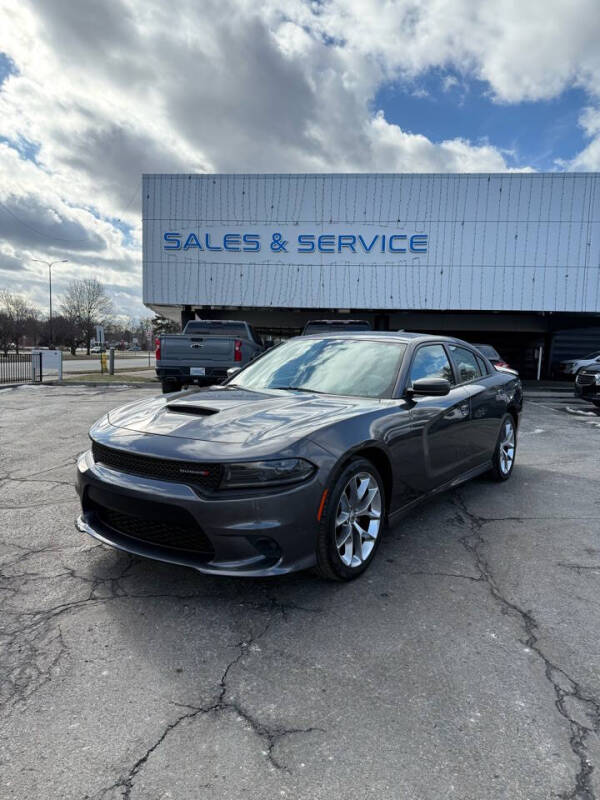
x=572 y=366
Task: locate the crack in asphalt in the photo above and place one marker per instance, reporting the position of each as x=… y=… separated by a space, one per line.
x=31 y=645
x=474 y=578
x=35 y=478
x=569 y=695
x=270 y=735
x=579 y=568
x=37 y=645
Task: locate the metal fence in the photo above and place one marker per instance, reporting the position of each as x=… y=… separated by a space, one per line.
x=20 y=368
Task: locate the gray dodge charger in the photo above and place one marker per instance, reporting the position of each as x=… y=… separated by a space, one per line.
x=301 y=457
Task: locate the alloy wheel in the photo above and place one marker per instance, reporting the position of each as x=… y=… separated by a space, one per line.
x=358 y=519
x=507 y=447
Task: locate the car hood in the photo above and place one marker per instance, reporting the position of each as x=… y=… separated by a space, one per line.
x=237 y=416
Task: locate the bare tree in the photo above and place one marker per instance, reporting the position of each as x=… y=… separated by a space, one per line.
x=5 y=331
x=164 y=325
x=65 y=331
x=87 y=305
x=17 y=318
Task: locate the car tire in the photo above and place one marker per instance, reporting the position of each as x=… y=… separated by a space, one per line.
x=357 y=488
x=503 y=460
x=171 y=386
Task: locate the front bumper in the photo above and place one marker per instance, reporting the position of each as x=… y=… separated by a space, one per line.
x=250 y=534
x=587 y=391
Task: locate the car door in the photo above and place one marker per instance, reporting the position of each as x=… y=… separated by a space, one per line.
x=437 y=423
x=486 y=404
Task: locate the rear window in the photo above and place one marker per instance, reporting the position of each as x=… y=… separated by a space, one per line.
x=217 y=329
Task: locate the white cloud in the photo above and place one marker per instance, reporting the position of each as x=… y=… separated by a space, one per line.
x=588 y=160
x=108 y=89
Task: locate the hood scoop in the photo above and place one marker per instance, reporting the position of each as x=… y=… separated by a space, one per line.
x=197 y=411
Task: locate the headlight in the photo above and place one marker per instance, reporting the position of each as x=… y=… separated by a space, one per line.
x=265 y=473
x=597 y=378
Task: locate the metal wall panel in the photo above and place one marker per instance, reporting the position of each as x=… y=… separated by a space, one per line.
x=518 y=242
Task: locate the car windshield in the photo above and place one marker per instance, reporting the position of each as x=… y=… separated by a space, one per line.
x=363 y=368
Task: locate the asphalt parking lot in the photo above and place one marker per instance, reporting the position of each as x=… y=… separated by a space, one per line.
x=464 y=664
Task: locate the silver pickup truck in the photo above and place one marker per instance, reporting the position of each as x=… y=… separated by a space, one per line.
x=204 y=352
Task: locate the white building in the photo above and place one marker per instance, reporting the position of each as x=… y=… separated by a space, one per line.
x=510 y=259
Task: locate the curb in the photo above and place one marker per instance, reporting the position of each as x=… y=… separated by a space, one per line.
x=107 y=384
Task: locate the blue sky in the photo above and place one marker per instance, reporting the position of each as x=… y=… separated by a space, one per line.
x=101 y=92
x=442 y=105
x=6 y=67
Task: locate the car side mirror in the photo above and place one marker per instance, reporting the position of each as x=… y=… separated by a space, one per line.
x=438 y=387
x=232 y=371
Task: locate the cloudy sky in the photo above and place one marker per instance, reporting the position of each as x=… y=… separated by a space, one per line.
x=95 y=92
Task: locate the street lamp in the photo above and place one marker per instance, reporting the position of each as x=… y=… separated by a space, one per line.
x=50 y=264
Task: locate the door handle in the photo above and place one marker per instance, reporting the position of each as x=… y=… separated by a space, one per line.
x=465 y=409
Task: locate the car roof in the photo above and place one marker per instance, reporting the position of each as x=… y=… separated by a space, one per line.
x=396 y=336
x=338 y=322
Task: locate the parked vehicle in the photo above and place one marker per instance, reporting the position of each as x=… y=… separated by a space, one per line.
x=492 y=355
x=134 y=348
x=572 y=366
x=335 y=326
x=300 y=458
x=98 y=348
x=204 y=352
x=587 y=384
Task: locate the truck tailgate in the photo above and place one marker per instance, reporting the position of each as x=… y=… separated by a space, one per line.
x=198 y=349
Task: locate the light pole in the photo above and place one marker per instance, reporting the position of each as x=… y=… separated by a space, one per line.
x=50 y=264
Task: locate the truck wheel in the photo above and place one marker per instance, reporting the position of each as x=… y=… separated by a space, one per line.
x=171 y=386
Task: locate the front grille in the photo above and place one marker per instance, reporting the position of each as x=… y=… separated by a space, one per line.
x=206 y=476
x=585 y=380
x=182 y=537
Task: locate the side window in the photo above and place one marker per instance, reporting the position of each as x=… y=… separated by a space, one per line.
x=431 y=361
x=466 y=364
x=482 y=366
x=253 y=335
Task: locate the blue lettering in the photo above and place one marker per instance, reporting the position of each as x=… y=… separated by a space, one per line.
x=370 y=247
x=326 y=243
x=231 y=241
x=209 y=246
x=251 y=239
x=346 y=240
x=306 y=243
x=418 y=243
x=174 y=241
x=391 y=243
x=192 y=241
